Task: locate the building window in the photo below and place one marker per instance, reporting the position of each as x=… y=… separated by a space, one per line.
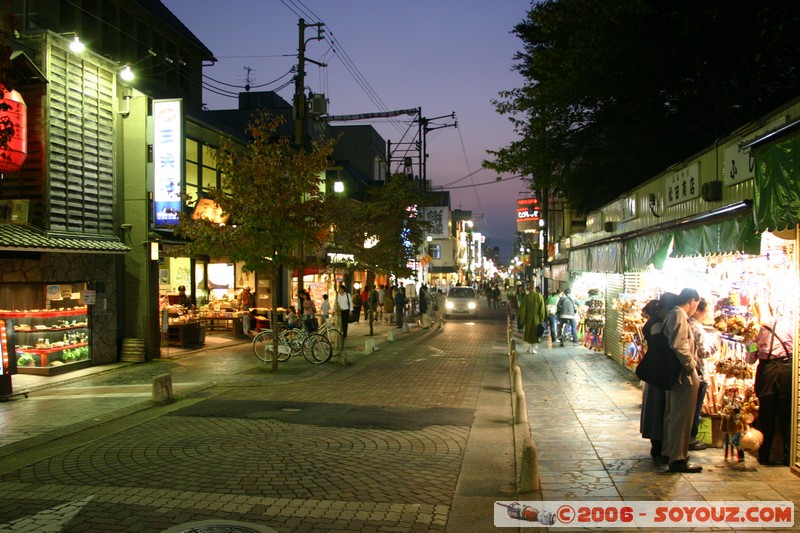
x=435 y=251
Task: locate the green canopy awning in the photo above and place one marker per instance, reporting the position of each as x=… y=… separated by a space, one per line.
x=776 y=194
x=647 y=250
x=727 y=236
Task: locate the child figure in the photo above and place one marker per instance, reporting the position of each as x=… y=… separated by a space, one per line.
x=291 y=317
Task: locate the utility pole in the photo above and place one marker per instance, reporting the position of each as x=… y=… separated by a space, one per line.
x=300 y=79
x=300 y=113
x=424 y=129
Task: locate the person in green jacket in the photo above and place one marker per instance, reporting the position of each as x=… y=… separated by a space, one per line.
x=551 y=307
x=532 y=314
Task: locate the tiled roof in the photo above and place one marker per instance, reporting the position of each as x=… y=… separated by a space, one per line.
x=25 y=237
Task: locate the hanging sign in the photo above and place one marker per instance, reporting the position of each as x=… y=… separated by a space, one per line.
x=168 y=148
x=13 y=122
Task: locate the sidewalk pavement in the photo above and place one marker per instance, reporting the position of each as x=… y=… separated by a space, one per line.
x=584 y=412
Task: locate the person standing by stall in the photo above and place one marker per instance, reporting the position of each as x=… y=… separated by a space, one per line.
x=703 y=352
x=773 y=385
x=245 y=303
x=681 y=398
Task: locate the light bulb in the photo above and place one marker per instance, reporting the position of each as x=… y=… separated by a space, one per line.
x=77 y=46
x=126 y=73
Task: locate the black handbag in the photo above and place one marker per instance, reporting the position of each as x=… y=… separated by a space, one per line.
x=659 y=365
x=540 y=330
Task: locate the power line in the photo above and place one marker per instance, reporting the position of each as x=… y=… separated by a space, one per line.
x=484 y=183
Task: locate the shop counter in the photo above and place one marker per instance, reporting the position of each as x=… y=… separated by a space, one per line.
x=186 y=334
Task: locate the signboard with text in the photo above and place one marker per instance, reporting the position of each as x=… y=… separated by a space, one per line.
x=682 y=185
x=528 y=214
x=168 y=148
x=439 y=218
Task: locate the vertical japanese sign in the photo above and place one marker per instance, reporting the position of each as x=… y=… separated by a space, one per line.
x=683 y=184
x=439 y=217
x=167 y=161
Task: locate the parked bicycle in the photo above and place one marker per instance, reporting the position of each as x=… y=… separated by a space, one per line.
x=333 y=335
x=292 y=341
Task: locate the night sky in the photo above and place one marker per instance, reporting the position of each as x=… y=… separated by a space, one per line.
x=442 y=56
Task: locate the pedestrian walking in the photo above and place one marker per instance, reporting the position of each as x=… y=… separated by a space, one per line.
x=246 y=301
x=551 y=308
x=389 y=304
x=423 y=306
x=399 y=306
x=356 y=305
x=567 y=310
x=441 y=302
x=345 y=304
x=381 y=301
x=532 y=315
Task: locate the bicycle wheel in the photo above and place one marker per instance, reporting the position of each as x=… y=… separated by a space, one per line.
x=294 y=339
x=264 y=349
x=317 y=349
x=334 y=336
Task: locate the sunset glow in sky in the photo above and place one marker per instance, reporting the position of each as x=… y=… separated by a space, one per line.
x=443 y=56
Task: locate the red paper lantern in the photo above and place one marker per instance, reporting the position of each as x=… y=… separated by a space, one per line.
x=14 y=115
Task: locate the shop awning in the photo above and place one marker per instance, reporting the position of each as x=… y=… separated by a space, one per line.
x=776 y=191
x=647 y=250
x=29 y=238
x=441 y=269
x=579 y=260
x=602 y=258
x=727 y=236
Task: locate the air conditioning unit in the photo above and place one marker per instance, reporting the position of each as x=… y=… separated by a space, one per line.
x=711 y=191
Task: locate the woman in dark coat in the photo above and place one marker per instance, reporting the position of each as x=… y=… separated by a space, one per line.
x=654 y=399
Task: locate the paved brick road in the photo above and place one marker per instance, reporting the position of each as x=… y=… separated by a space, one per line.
x=375 y=446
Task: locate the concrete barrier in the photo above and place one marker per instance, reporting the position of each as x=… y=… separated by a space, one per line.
x=390 y=335
x=526 y=461
x=162 y=389
x=520 y=408
x=369 y=346
x=517 y=383
x=343 y=358
x=528 y=478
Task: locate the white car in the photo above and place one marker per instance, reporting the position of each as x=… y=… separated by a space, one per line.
x=461 y=301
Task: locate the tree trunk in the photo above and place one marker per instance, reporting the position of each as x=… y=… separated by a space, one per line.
x=274 y=322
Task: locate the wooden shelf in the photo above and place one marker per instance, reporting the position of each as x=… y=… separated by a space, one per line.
x=47 y=313
x=46 y=351
x=49 y=330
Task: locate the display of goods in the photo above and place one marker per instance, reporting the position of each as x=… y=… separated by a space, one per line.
x=733 y=367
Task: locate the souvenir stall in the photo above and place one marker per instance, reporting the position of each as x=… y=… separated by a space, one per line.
x=734 y=285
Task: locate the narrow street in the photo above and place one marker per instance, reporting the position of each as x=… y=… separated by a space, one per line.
x=377 y=445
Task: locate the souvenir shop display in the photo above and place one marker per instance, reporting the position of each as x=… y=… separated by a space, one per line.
x=630 y=307
x=594 y=320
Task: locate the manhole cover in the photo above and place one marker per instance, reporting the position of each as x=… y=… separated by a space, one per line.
x=219 y=526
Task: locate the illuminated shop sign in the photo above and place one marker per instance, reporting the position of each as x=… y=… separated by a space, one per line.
x=208 y=209
x=167 y=161
x=4 y=362
x=528 y=214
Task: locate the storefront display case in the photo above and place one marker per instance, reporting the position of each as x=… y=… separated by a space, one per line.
x=48 y=341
